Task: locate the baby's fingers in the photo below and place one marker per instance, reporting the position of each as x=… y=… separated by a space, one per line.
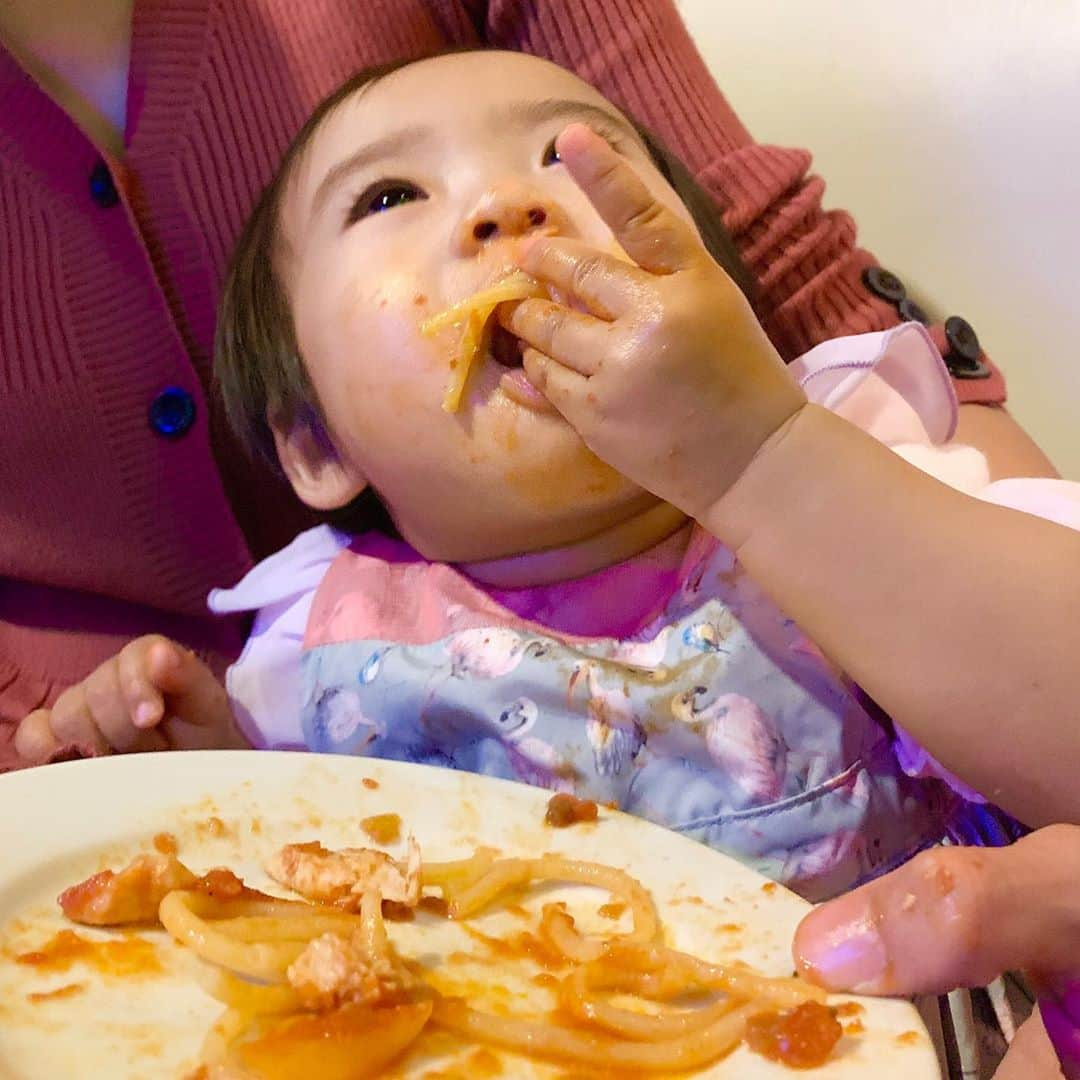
x=610 y=287
x=140 y=679
x=72 y=721
x=197 y=710
x=649 y=232
x=193 y=692
x=108 y=704
x=34 y=738
x=170 y=690
x=562 y=386
x=576 y=340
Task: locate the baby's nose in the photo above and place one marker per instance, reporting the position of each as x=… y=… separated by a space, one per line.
x=504 y=214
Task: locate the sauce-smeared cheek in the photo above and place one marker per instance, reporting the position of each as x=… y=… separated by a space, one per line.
x=505 y=436
x=386 y=359
x=579 y=475
x=547 y=468
x=385 y=319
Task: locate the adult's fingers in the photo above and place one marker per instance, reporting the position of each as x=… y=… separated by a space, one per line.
x=578 y=341
x=655 y=237
x=609 y=286
x=34 y=738
x=953 y=917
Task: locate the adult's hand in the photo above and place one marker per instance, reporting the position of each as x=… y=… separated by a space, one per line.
x=958 y=917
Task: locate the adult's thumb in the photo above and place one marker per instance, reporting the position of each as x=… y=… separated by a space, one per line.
x=952 y=917
x=956 y=917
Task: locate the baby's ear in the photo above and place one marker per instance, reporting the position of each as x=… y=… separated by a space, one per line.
x=318 y=475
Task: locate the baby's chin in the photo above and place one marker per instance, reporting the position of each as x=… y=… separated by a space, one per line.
x=532 y=522
x=581 y=551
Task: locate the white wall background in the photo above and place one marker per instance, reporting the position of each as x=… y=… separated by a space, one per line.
x=951 y=130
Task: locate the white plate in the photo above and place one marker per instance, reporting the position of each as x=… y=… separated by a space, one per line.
x=63 y=822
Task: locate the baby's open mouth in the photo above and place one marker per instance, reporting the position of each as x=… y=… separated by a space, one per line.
x=506 y=349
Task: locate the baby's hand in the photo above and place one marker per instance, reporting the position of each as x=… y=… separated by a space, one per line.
x=669 y=377
x=153 y=695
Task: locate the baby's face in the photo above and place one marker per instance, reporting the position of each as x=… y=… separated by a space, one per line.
x=413 y=195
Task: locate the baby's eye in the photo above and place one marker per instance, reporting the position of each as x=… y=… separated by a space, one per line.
x=551 y=155
x=384 y=195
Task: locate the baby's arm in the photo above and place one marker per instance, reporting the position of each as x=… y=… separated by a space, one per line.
x=153 y=695
x=959 y=618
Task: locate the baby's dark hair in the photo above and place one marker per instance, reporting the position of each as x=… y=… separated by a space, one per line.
x=257 y=363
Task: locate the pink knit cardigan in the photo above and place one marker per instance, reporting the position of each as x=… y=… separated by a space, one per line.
x=107 y=529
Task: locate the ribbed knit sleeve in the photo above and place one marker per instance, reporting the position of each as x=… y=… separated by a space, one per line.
x=806 y=260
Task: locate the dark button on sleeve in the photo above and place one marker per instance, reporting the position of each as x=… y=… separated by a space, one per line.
x=885 y=284
x=911 y=312
x=102 y=189
x=962 y=359
x=172 y=412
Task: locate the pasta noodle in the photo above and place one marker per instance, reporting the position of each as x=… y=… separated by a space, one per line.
x=457 y=874
x=311 y=989
x=187 y=916
x=472 y=316
x=689 y=1051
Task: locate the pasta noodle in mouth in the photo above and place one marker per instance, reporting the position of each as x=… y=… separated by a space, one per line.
x=470 y=318
x=315 y=986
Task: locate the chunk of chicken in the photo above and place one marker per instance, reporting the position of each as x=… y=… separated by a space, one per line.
x=334 y=970
x=342 y=877
x=361 y=968
x=130 y=896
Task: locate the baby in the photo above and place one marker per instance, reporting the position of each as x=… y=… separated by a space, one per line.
x=644 y=561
